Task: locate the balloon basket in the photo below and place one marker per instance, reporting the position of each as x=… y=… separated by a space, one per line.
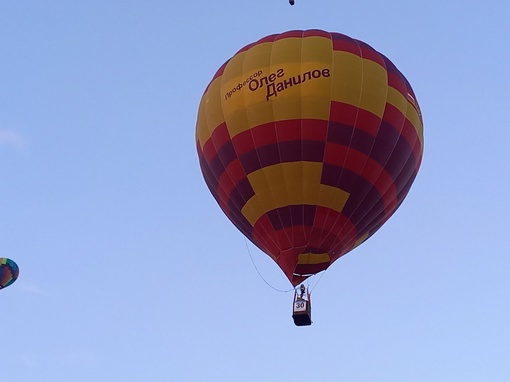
x=302 y=308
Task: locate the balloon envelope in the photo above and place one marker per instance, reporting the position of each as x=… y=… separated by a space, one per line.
x=9 y=272
x=309 y=141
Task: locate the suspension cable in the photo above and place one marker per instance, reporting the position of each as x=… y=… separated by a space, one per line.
x=262 y=277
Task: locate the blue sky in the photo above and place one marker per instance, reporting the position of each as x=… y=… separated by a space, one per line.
x=128 y=269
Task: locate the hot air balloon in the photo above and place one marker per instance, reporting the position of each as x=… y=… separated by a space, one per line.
x=9 y=272
x=309 y=141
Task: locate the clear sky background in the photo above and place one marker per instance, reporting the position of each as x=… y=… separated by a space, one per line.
x=130 y=272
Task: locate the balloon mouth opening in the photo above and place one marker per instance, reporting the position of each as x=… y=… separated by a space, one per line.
x=300 y=263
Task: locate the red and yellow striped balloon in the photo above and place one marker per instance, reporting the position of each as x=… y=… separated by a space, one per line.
x=309 y=141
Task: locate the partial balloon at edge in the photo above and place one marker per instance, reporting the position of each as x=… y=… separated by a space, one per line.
x=9 y=272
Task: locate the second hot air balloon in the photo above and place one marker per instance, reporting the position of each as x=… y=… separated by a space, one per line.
x=9 y=272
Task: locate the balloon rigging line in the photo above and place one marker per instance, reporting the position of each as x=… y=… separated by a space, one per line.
x=319 y=280
x=262 y=277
